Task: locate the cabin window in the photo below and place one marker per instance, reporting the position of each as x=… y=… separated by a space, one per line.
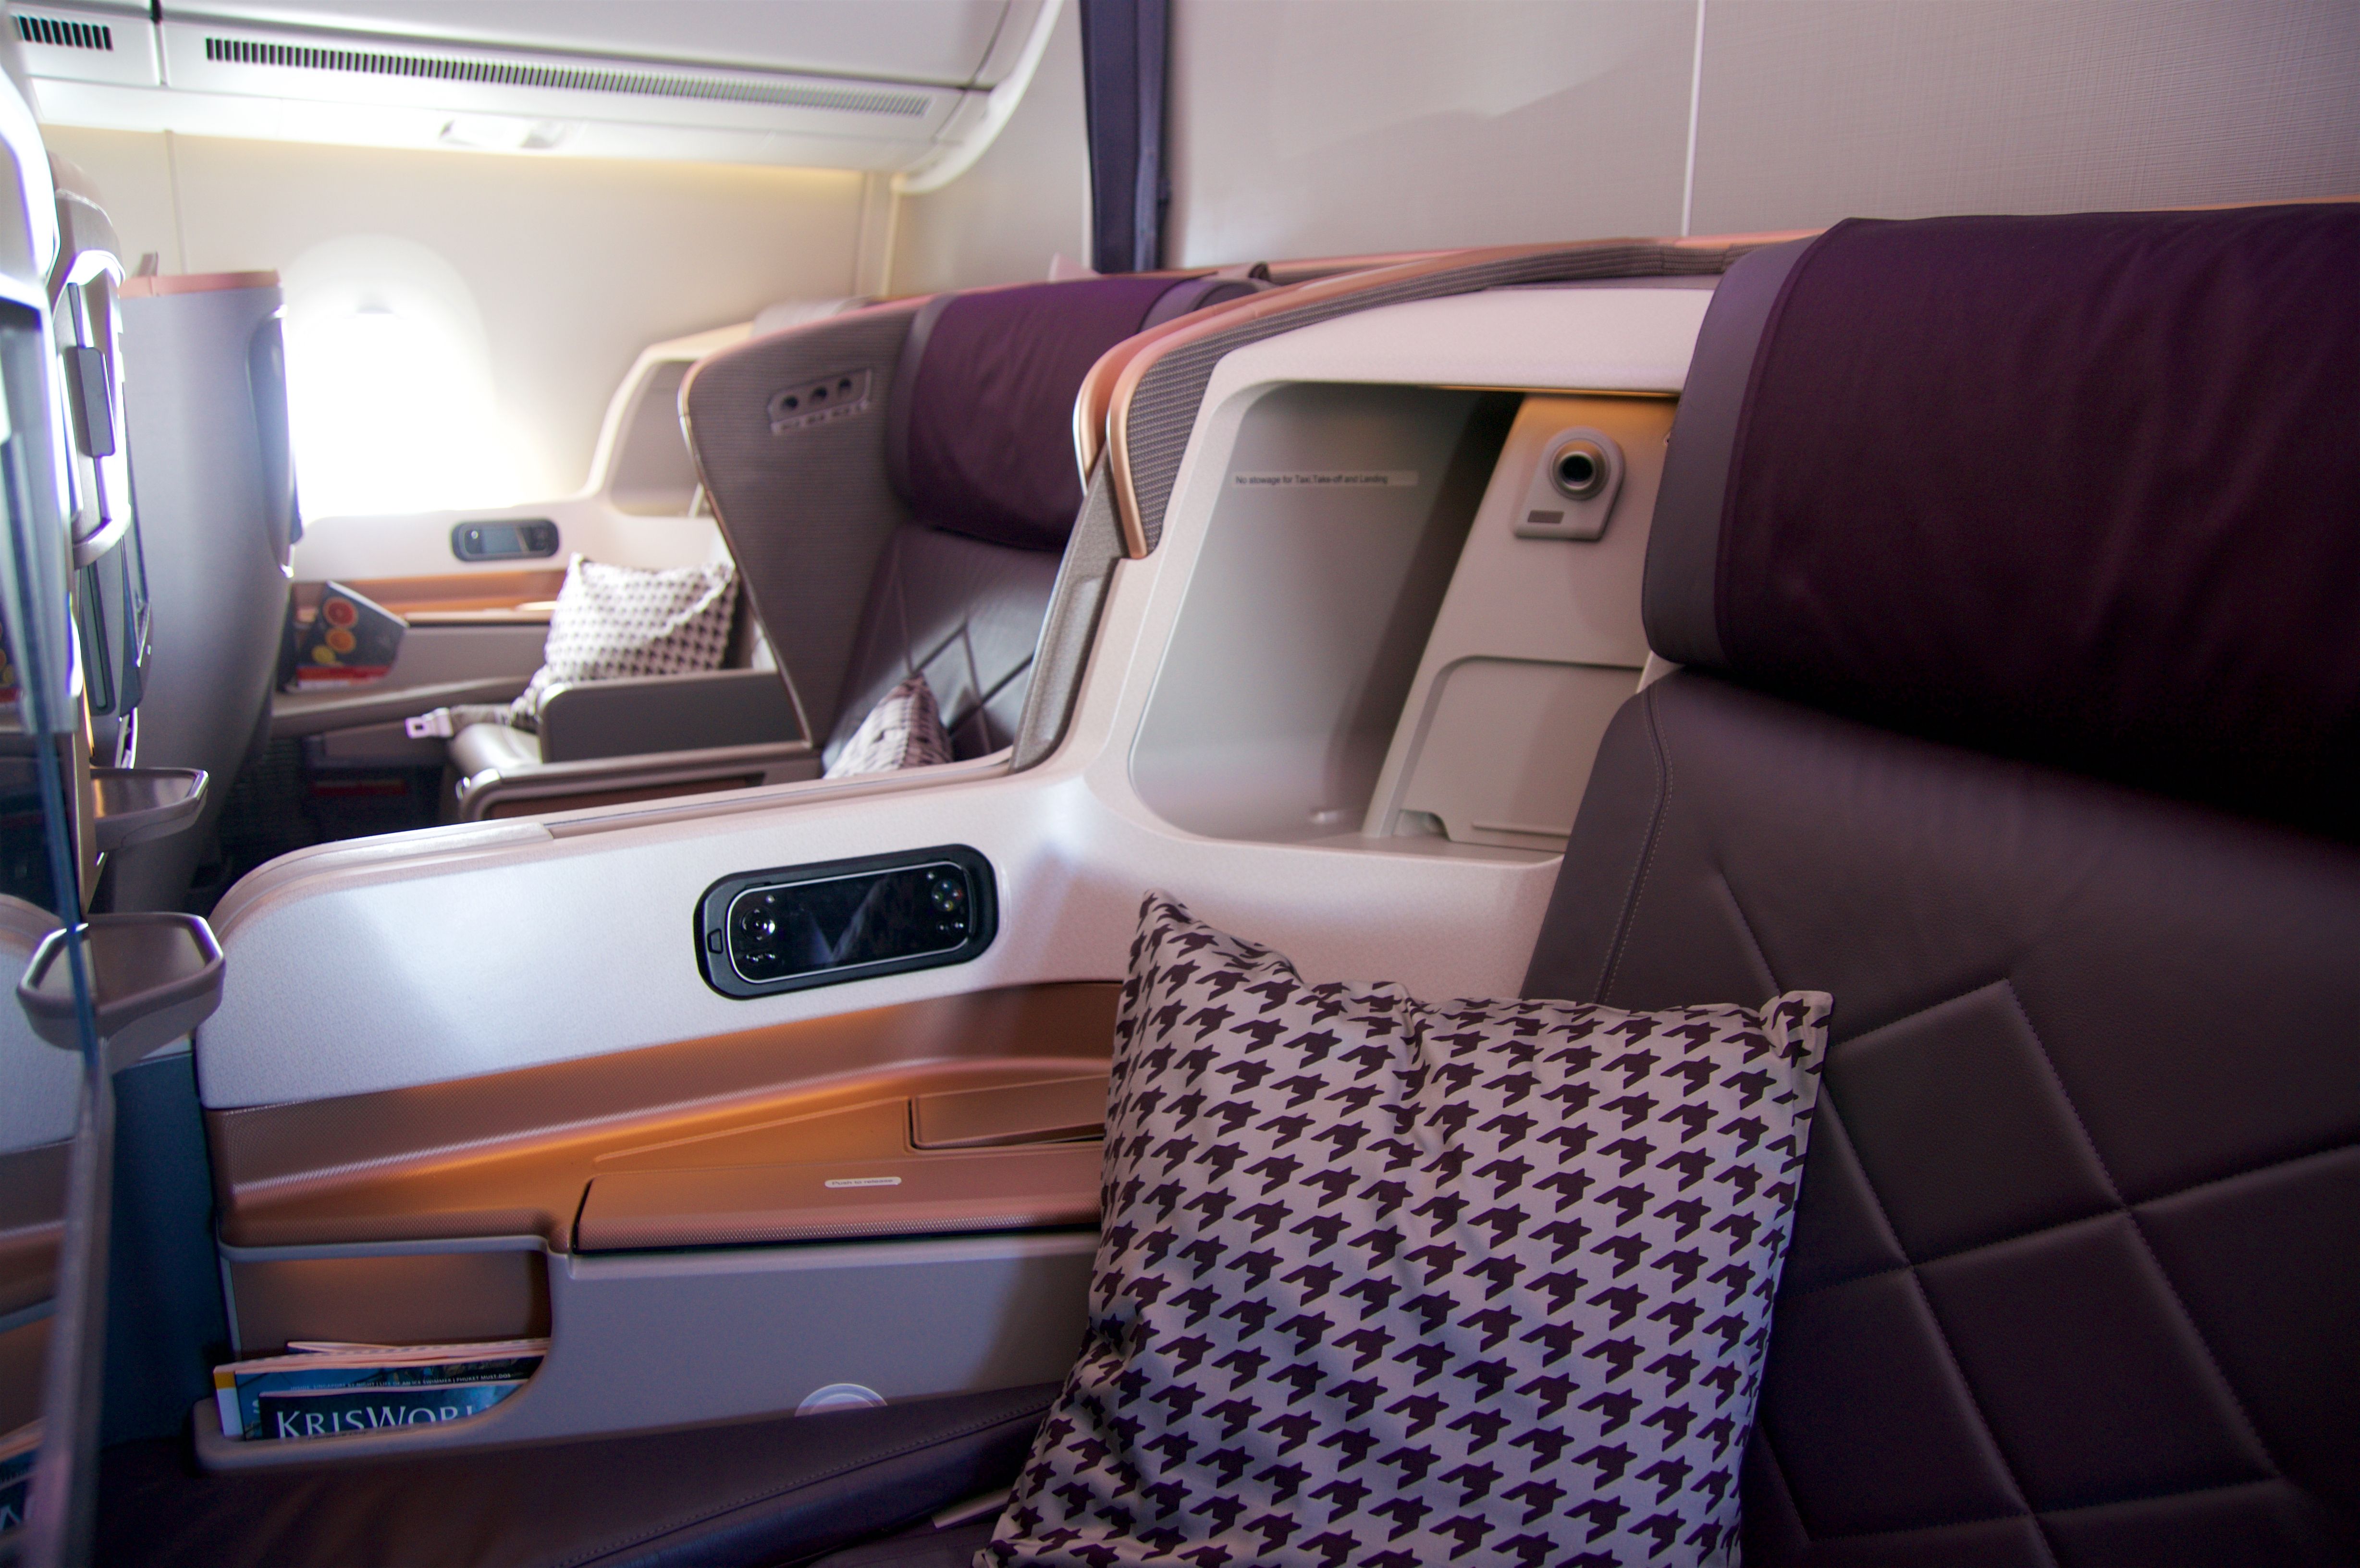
x=390 y=400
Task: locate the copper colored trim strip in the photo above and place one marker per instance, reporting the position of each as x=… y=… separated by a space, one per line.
x=1038 y=1112
x=512 y=1153
x=1321 y=291
x=1015 y=1188
x=151 y=285
x=506 y=807
x=1303 y=269
x=1097 y=397
x=470 y=592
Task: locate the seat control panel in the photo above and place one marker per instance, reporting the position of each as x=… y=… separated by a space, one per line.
x=791 y=928
x=528 y=538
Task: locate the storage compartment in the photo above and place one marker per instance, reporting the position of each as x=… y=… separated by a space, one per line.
x=1539 y=641
x=818 y=86
x=1044 y=1112
x=418 y=1298
x=646 y=1340
x=1508 y=744
x=915 y=1194
x=1342 y=514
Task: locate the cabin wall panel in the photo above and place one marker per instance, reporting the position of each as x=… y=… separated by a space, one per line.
x=1026 y=200
x=1368 y=125
x=575 y=265
x=1371 y=125
x=1812 y=111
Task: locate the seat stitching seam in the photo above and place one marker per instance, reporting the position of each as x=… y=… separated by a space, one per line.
x=2184 y=1492
x=913 y=1446
x=1638 y=890
x=1825 y=1105
x=1926 y=1529
x=1777 y=1472
x=1746 y=925
x=1005 y=681
x=2061 y=1224
x=902 y=610
x=2212 y=1357
x=1942 y=1338
x=965 y=639
x=1999 y=979
x=2038 y=1515
x=1974 y=1402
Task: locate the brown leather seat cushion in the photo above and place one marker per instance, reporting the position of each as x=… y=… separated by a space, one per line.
x=2077 y=1259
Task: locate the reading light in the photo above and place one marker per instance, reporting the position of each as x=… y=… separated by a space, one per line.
x=503 y=133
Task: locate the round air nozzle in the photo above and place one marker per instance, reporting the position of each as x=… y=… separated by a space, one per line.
x=1579 y=469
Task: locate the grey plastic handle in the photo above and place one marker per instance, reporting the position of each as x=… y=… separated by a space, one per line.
x=266 y=374
x=153 y=978
x=136 y=805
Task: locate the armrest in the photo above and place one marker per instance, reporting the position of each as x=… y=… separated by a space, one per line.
x=666 y=713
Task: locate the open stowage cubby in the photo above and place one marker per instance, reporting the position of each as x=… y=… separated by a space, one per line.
x=1341 y=512
x=1377 y=647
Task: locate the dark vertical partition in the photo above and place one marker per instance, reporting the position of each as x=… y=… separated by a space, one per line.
x=1125 y=48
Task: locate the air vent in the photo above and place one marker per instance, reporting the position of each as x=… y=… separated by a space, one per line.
x=578 y=79
x=65 y=35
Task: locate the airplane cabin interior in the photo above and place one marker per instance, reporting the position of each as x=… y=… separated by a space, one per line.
x=1054 y=783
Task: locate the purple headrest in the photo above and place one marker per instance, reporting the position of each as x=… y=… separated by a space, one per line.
x=982 y=439
x=2085 y=489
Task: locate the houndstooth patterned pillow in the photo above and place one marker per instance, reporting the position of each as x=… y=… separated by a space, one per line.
x=1385 y=1284
x=903 y=730
x=612 y=621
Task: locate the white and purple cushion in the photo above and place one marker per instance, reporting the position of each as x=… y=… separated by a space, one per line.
x=1385 y=1284
x=612 y=621
x=903 y=730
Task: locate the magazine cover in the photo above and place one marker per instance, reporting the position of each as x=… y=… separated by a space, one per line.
x=350 y=637
x=321 y=1389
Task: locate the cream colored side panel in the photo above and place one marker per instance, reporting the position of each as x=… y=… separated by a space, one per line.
x=366 y=970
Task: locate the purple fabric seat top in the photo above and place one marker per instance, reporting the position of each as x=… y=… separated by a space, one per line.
x=983 y=437
x=980 y=445
x=2015 y=568
x=2100 y=512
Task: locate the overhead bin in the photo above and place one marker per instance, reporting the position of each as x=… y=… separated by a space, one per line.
x=856 y=87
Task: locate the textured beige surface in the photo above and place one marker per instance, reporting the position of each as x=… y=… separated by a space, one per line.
x=1026 y=200
x=1387 y=125
x=1817 y=110
x=1321 y=129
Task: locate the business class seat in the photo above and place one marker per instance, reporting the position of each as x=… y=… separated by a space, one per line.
x=987 y=449
x=2016 y=575
x=2012 y=566
x=601 y=740
x=897 y=485
x=638 y=737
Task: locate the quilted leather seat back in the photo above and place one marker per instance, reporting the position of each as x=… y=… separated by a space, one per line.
x=2078 y=1253
x=2077 y=1261
x=967 y=616
x=981 y=447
